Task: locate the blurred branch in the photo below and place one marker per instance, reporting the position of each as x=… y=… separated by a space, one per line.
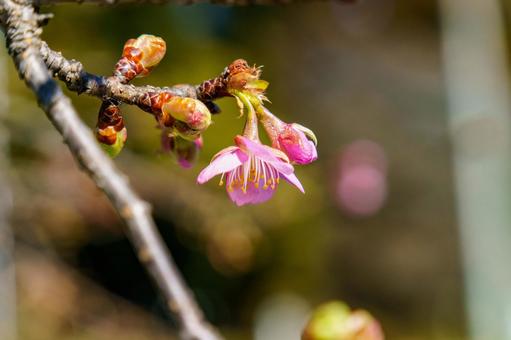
x=20 y=23
x=7 y=275
x=477 y=79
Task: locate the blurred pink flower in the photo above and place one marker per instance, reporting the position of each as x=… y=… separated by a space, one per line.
x=361 y=183
x=252 y=171
x=184 y=150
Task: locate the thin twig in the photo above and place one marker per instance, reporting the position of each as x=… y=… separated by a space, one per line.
x=22 y=32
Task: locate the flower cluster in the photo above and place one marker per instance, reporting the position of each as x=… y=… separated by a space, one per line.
x=138 y=58
x=251 y=170
x=182 y=120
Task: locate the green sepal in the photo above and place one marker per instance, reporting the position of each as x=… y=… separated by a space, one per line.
x=113 y=150
x=259 y=85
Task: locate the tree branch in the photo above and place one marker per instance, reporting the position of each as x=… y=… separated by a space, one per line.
x=72 y=73
x=7 y=276
x=22 y=32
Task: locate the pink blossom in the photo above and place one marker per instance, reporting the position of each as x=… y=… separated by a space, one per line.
x=252 y=171
x=293 y=142
x=290 y=138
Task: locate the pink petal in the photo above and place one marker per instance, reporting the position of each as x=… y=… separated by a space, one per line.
x=282 y=167
x=256 y=148
x=304 y=153
x=241 y=155
x=252 y=196
x=294 y=181
x=223 y=163
x=228 y=149
x=264 y=153
x=295 y=144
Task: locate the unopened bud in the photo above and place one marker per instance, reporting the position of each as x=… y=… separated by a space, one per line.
x=153 y=49
x=112 y=141
x=184 y=131
x=292 y=139
x=140 y=56
x=293 y=142
x=335 y=321
x=110 y=129
x=184 y=150
x=192 y=112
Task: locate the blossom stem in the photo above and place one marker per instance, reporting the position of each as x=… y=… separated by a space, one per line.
x=251 y=129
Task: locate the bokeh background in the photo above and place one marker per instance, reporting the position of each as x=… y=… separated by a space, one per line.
x=377 y=227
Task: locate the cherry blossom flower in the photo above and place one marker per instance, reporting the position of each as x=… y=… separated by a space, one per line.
x=251 y=171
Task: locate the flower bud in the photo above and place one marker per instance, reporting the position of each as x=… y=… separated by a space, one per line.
x=152 y=49
x=185 y=151
x=185 y=132
x=110 y=130
x=294 y=143
x=112 y=141
x=140 y=56
x=290 y=138
x=192 y=112
x=335 y=321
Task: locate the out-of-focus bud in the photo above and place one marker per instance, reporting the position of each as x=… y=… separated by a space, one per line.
x=290 y=138
x=192 y=112
x=140 y=56
x=112 y=141
x=335 y=321
x=110 y=130
x=185 y=151
x=184 y=131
